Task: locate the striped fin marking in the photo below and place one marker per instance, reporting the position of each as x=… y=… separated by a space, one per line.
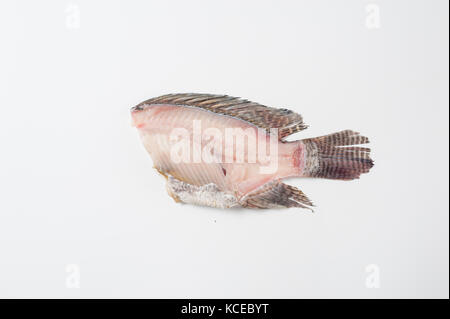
x=334 y=156
x=286 y=121
x=276 y=194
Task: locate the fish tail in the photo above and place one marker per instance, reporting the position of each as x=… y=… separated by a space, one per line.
x=333 y=156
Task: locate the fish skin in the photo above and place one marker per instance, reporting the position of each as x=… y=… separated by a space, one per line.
x=225 y=185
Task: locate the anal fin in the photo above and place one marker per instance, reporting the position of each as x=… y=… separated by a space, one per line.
x=276 y=194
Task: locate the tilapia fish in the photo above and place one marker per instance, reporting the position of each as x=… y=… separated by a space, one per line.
x=223 y=151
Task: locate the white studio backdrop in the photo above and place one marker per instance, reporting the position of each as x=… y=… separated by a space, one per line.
x=84 y=214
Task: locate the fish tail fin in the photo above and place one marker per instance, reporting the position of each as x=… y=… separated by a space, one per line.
x=333 y=156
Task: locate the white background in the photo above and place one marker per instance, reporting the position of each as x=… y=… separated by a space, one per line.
x=81 y=206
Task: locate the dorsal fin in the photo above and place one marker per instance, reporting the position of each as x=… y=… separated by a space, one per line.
x=286 y=121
